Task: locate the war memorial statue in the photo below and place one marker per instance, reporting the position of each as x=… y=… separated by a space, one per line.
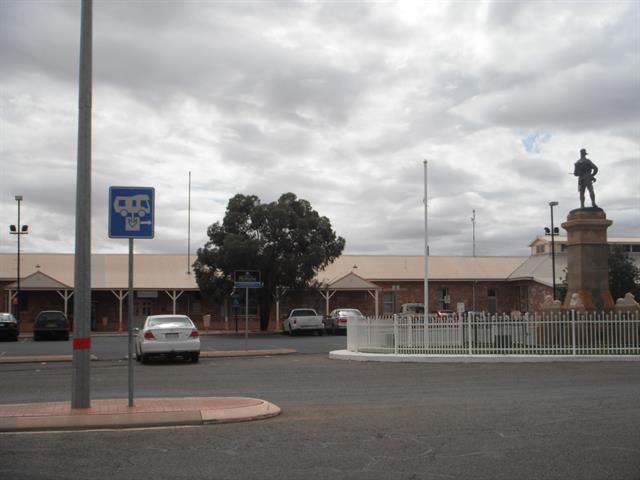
x=586 y=172
x=587 y=248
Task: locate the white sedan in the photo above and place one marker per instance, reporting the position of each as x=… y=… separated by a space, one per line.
x=167 y=335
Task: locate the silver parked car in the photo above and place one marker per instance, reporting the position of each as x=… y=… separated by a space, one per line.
x=168 y=336
x=337 y=321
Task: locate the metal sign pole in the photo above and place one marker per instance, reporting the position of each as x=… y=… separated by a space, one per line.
x=131 y=216
x=246 y=319
x=130 y=322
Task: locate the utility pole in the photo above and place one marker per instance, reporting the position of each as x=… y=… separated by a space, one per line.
x=80 y=397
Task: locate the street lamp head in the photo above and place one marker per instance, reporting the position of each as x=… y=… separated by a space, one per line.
x=25 y=229
x=12 y=228
x=553 y=204
x=547 y=231
x=18 y=198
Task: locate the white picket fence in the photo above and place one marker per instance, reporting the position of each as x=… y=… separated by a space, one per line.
x=565 y=333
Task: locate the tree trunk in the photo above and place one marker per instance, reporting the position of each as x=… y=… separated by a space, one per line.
x=265 y=310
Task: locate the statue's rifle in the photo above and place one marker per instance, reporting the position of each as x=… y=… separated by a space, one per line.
x=592 y=179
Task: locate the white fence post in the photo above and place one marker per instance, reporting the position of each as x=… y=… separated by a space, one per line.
x=469 y=334
x=573 y=331
x=395 y=334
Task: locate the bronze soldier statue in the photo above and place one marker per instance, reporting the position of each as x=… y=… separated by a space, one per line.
x=586 y=171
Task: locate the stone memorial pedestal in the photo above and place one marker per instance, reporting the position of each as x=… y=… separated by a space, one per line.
x=587 y=260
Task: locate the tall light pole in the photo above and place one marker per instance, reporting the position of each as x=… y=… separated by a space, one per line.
x=18 y=230
x=553 y=232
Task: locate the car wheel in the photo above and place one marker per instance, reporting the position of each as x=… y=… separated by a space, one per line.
x=36 y=337
x=144 y=359
x=195 y=357
x=138 y=356
x=321 y=332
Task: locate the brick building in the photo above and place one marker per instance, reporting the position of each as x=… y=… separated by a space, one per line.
x=376 y=284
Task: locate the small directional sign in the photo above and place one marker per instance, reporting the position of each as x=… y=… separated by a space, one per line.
x=235 y=303
x=131 y=212
x=247 y=279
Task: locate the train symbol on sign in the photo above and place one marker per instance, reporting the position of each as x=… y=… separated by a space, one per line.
x=133 y=208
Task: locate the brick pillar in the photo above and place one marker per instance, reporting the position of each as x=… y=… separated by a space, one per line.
x=588 y=260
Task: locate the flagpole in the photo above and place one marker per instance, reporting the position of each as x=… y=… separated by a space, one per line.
x=426 y=245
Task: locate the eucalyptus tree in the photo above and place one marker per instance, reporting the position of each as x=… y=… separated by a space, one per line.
x=286 y=240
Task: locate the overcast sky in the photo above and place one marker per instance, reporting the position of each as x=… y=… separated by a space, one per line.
x=337 y=102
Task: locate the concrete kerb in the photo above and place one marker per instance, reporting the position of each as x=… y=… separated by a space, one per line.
x=147 y=412
x=203 y=354
x=389 y=357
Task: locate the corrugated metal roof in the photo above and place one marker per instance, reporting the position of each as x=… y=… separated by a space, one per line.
x=539 y=268
x=157 y=272
x=563 y=239
x=108 y=271
x=389 y=267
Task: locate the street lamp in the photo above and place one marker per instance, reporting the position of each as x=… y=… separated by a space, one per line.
x=553 y=232
x=18 y=230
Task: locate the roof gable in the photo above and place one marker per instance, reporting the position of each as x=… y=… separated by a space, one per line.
x=38 y=281
x=351 y=281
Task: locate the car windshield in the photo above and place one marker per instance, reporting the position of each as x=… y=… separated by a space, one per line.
x=178 y=321
x=49 y=316
x=6 y=317
x=350 y=313
x=415 y=309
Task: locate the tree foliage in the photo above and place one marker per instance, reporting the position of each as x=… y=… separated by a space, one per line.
x=624 y=276
x=286 y=240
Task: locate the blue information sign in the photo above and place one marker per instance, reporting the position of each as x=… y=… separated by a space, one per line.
x=247 y=279
x=131 y=212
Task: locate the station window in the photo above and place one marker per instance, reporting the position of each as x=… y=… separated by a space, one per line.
x=143 y=308
x=388 y=302
x=492 y=300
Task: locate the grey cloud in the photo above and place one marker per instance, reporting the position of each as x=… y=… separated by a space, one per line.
x=337 y=102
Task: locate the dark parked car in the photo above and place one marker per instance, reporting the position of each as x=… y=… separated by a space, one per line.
x=9 y=327
x=51 y=324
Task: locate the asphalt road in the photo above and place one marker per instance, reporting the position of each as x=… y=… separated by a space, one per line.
x=116 y=347
x=348 y=420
